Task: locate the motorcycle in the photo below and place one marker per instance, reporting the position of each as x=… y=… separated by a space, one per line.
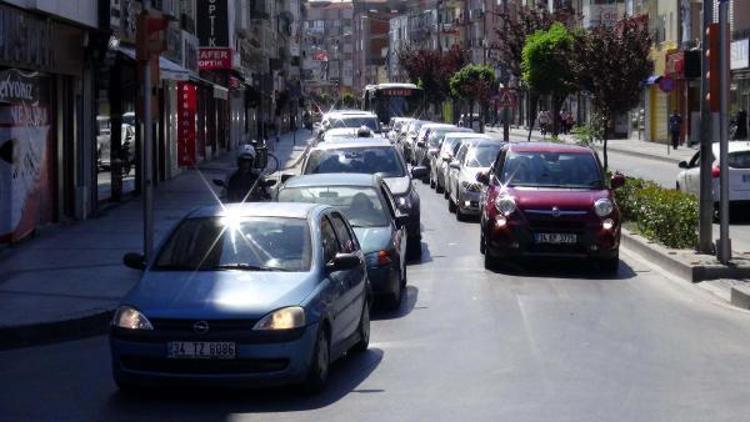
x=259 y=193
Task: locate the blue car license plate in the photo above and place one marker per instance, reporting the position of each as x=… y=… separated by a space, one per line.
x=201 y=350
x=555 y=238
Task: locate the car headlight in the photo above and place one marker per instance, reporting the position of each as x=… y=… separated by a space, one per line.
x=282 y=319
x=505 y=205
x=603 y=207
x=130 y=318
x=403 y=203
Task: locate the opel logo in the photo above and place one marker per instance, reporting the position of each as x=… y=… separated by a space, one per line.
x=555 y=211
x=201 y=327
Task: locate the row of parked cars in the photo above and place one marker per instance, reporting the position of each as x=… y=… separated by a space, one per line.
x=532 y=199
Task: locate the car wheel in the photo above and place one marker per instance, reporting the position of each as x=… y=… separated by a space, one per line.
x=482 y=245
x=610 y=265
x=451 y=205
x=490 y=263
x=439 y=187
x=433 y=185
x=446 y=195
x=363 y=330
x=317 y=375
x=393 y=300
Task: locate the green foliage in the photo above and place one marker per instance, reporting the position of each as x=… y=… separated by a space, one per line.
x=348 y=100
x=545 y=61
x=664 y=215
x=474 y=82
x=593 y=132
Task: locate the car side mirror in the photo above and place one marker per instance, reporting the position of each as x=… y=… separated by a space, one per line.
x=419 y=172
x=402 y=220
x=219 y=182
x=483 y=178
x=683 y=165
x=343 y=262
x=420 y=144
x=618 y=181
x=134 y=260
x=447 y=158
x=454 y=165
x=269 y=183
x=285 y=177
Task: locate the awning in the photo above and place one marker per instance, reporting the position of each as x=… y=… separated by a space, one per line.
x=168 y=69
x=219 y=91
x=653 y=79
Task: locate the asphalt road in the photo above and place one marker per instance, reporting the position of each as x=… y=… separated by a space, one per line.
x=549 y=341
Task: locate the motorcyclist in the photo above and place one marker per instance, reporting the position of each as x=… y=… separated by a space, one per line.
x=243 y=180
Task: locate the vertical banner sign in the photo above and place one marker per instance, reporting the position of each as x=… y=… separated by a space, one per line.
x=213 y=23
x=186 y=109
x=26 y=189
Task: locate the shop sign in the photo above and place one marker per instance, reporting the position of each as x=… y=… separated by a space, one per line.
x=214 y=58
x=213 y=23
x=187 y=106
x=675 y=64
x=738 y=57
x=25 y=40
x=26 y=193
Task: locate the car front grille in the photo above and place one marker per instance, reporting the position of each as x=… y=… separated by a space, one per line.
x=185 y=326
x=203 y=366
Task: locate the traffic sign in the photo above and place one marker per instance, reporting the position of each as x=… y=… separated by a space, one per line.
x=507 y=98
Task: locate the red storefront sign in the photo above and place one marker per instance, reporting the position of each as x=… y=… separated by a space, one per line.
x=187 y=105
x=675 y=64
x=214 y=58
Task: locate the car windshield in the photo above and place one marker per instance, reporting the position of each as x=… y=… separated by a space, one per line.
x=436 y=137
x=383 y=160
x=355 y=121
x=552 y=169
x=482 y=155
x=242 y=243
x=361 y=205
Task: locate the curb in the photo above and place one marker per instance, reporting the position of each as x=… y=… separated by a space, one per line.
x=52 y=332
x=693 y=272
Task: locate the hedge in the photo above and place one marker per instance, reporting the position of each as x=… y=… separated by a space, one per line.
x=664 y=215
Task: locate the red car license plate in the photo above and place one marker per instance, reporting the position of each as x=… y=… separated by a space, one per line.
x=555 y=238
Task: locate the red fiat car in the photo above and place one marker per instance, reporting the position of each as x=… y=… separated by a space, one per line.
x=549 y=200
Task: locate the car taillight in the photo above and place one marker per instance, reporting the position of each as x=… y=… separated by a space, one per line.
x=384 y=258
x=715 y=171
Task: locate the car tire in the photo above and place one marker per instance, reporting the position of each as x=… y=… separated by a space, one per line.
x=482 y=245
x=414 y=248
x=446 y=195
x=433 y=185
x=363 y=330
x=451 y=205
x=610 y=265
x=393 y=300
x=439 y=187
x=490 y=262
x=317 y=374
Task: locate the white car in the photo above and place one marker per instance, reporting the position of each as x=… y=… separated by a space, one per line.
x=739 y=172
x=474 y=156
x=451 y=143
x=421 y=144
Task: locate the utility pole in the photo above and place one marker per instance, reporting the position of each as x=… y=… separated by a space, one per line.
x=705 y=243
x=725 y=243
x=506 y=110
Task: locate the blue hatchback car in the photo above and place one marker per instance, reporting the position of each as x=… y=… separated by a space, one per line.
x=246 y=294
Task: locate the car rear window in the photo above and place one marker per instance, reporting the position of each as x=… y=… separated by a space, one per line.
x=739 y=160
x=355 y=122
x=361 y=205
x=367 y=160
x=552 y=170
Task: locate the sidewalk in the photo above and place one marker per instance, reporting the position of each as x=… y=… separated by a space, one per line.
x=66 y=282
x=634 y=147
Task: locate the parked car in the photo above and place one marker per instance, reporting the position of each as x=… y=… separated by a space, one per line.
x=394 y=127
x=472 y=158
x=409 y=139
x=688 y=180
x=368 y=205
x=433 y=145
x=375 y=157
x=454 y=167
x=448 y=149
x=348 y=133
x=251 y=294
x=549 y=200
x=421 y=147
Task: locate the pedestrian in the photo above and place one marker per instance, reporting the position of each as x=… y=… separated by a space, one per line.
x=543 y=122
x=675 y=127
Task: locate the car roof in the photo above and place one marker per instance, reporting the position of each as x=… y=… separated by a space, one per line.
x=437 y=126
x=342 y=131
x=333 y=179
x=549 y=147
x=257 y=209
x=734 y=146
x=358 y=143
x=467 y=134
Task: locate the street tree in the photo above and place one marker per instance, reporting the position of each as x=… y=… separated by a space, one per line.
x=545 y=66
x=348 y=100
x=611 y=64
x=475 y=83
x=431 y=70
x=514 y=24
